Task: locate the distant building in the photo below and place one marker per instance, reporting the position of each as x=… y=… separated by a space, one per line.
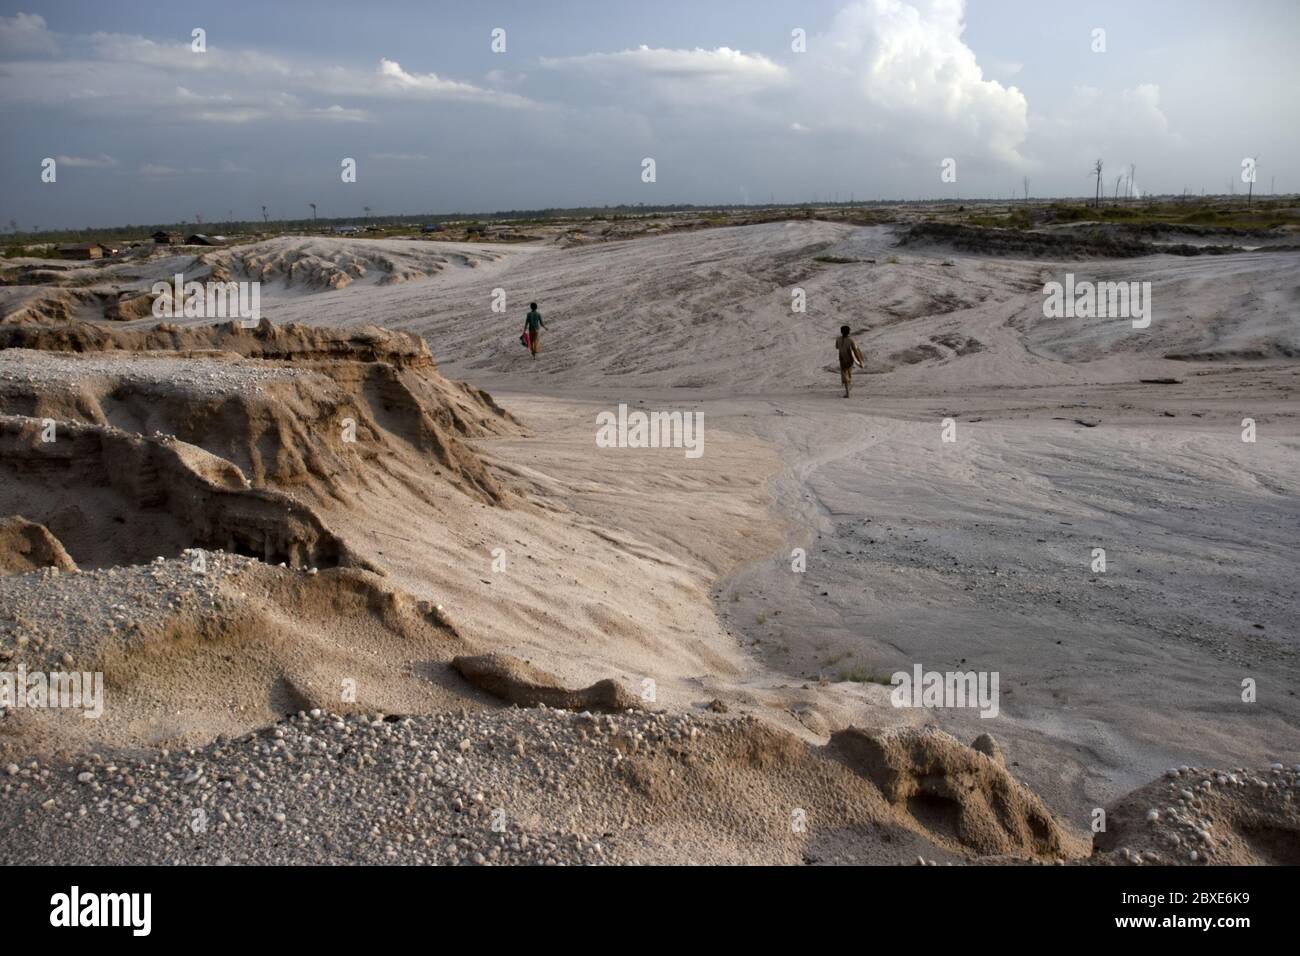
x=199 y=239
x=163 y=238
x=82 y=250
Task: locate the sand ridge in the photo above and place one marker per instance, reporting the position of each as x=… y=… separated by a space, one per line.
x=673 y=577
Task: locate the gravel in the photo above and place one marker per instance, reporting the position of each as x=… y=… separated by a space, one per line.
x=66 y=372
x=533 y=786
x=54 y=618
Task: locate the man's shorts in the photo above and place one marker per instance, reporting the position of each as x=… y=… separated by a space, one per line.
x=846 y=374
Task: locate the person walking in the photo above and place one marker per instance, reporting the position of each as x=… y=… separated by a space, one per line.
x=533 y=326
x=850 y=355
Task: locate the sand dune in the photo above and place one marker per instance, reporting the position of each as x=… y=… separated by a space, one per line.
x=313 y=264
x=671 y=577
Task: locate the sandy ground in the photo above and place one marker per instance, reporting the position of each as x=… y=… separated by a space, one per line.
x=674 y=574
x=975 y=554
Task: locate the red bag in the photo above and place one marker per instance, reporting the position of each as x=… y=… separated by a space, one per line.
x=523 y=339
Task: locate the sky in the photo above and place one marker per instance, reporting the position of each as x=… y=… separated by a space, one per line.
x=735 y=102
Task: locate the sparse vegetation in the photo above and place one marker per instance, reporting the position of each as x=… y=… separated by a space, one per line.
x=863 y=675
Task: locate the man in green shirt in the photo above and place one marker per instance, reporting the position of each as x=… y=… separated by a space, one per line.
x=533 y=325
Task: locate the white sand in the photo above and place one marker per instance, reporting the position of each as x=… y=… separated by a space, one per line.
x=1106 y=678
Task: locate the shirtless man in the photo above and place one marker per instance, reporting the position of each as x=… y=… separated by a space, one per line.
x=849 y=356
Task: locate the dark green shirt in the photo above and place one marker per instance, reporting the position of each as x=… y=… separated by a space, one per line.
x=532 y=320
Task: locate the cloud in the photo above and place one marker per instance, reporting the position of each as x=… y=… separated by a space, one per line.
x=338 y=113
x=905 y=64
x=720 y=65
x=393 y=80
x=126 y=75
x=26 y=33
x=650 y=76
x=1121 y=127
x=900 y=65
x=102 y=161
x=886 y=90
x=179 y=56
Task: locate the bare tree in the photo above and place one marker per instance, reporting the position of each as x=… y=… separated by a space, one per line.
x=1254 y=171
x=1026 y=180
x=1132 y=188
x=264 y=214
x=366 y=210
x=1118 y=179
x=1097 y=170
x=313 y=211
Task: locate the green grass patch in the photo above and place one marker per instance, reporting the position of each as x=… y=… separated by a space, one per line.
x=863 y=675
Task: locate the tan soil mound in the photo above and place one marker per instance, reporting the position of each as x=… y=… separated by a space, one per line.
x=519 y=682
x=221 y=444
x=468 y=410
x=26 y=546
x=56 y=303
x=309 y=409
x=116 y=498
x=190 y=654
x=792 y=802
x=41 y=304
x=953 y=789
x=1193 y=816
